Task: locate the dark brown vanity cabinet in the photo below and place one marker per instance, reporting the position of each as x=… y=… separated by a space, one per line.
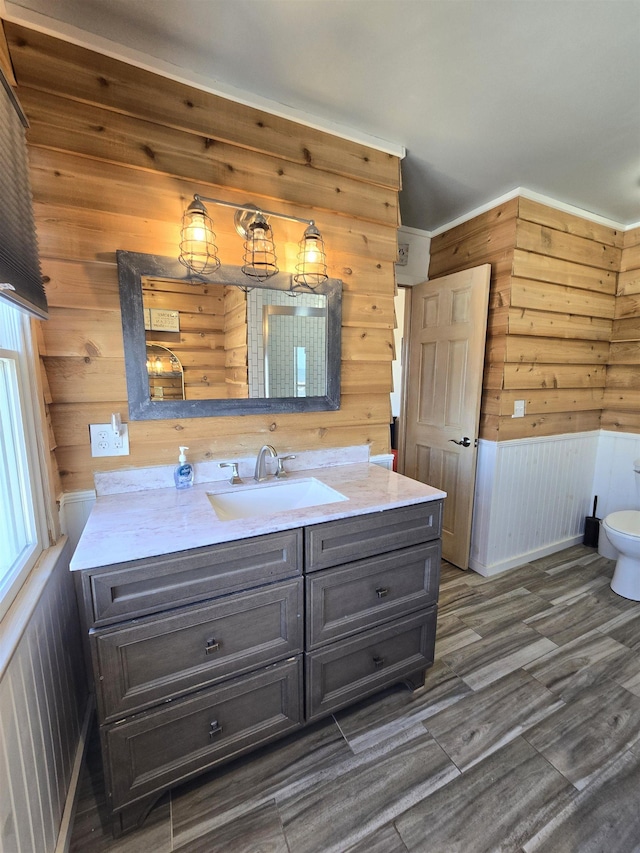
x=197 y=657
x=370 y=603
x=201 y=656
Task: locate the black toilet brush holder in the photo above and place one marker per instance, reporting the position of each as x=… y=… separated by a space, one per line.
x=592 y=527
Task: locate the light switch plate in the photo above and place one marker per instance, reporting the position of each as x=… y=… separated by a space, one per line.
x=403 y=254
x=518 y=409
x=105 y=442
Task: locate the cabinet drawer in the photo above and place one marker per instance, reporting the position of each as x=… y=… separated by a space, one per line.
x=159 y=657
x=369 y=592
x=350 y=669
x=166 y=746
x=337 y=542
x=147 y=586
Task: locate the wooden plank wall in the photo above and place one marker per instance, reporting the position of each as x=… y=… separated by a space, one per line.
x=5 y=60
x=116 y=154
x=621 y=411
x=552 y=306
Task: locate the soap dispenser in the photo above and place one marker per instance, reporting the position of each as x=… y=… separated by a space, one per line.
x=183 y=474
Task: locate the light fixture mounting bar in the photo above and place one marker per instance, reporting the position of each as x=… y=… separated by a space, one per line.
x=251 y=209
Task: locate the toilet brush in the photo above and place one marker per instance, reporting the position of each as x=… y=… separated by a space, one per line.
x=592 y=527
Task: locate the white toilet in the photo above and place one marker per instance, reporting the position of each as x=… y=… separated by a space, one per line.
x=623 y=532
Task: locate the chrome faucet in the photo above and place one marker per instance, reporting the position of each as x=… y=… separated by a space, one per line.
x=260 y=472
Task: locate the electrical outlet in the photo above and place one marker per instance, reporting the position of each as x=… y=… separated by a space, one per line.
x=518 y=409
x=105 y=442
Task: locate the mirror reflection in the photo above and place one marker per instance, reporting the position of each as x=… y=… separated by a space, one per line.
x=166 y=379
x=214 y=341
x=205 y=347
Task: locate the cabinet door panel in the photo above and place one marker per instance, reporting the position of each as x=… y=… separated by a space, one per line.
x=369 y=592
x=147 y=586
x=166 y=746
x=348 y=670
x=337 y=542
x=159 y=657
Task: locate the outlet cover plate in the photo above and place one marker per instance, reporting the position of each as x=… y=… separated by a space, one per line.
x=105 y=442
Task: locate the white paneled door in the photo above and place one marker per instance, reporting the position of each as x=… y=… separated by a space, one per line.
x=443 y=391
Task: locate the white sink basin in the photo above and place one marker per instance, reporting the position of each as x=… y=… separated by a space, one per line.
x=253 y=501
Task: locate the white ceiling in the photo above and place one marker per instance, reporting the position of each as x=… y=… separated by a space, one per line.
x=486 y=95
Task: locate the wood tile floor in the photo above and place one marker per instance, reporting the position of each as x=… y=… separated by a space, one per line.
x=526 y=737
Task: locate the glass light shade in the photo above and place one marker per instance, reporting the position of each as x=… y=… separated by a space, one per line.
x=259 y=251
x=311 y=269
x=198 y=250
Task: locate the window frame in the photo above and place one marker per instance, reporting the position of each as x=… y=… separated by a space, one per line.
x=17 y=348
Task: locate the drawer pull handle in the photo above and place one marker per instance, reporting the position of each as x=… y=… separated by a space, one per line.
x=382 y=591
x=212 y=646
x=378 y=662
x=215 y=728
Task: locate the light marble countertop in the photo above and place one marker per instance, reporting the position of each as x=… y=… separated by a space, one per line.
x=149 y=523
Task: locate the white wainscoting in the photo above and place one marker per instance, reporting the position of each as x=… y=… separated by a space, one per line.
x=615 y=482
x=43 y=696
x=531 y=498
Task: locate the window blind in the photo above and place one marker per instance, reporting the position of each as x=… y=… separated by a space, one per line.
x=20 y=276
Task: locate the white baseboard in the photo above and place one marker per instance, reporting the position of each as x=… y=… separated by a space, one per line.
x=521 y=559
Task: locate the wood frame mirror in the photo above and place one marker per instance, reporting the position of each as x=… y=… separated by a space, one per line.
x=134 y=268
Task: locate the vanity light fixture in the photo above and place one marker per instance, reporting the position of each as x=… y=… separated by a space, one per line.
x=198 y=250
x=199 y=253
x=259 y=252
x=311 y=269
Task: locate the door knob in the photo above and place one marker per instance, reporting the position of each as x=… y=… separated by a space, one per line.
x=466 y=441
